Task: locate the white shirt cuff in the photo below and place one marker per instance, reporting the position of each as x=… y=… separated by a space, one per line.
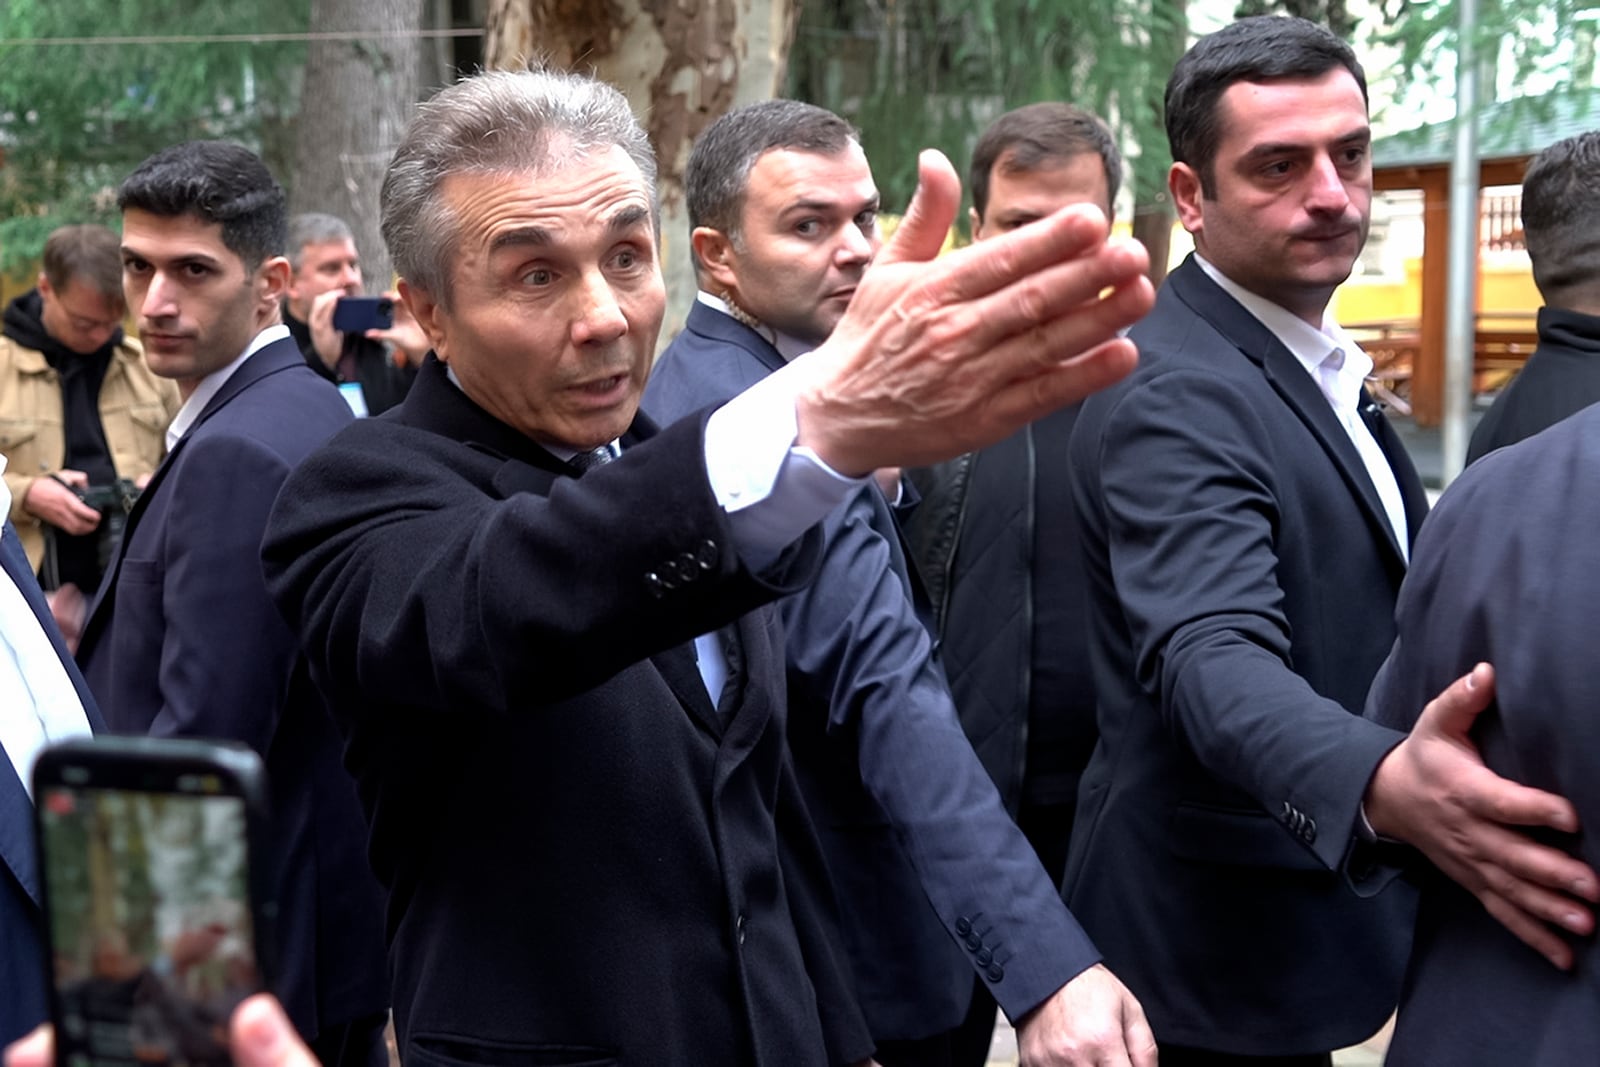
x=772 y=489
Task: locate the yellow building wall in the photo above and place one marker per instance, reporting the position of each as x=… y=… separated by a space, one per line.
x=1502 y=287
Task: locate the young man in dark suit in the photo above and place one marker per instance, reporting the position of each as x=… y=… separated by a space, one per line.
x=581 y=799
x=182 y=640
x=1246 y=516
x=783 y=211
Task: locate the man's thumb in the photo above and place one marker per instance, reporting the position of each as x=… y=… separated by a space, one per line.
x=927 y=221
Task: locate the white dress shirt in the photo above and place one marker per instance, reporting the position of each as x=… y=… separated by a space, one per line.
x=212 y=384
x=1338 y=366
x=38 y=702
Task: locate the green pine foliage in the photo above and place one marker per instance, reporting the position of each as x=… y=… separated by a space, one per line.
x=82 y=100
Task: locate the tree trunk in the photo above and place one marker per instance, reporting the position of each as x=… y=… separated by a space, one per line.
x=357 y=98
x=681 y=63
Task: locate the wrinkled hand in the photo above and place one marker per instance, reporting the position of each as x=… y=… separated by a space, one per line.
x=1433 y=791
x=52 y=502
x=409 y=342
x=259 y=1034
x=328 y=342
x=936 y=357
x=1092 y=1020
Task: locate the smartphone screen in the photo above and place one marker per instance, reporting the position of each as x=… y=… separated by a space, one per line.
x=151 y=929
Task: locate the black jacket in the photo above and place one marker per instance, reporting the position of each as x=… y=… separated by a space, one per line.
x=383 y=384
x=996 y=540
x=584 y=858
x=1560 y=378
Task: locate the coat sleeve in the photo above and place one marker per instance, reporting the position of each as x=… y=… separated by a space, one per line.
x=1193 y=551
x=413 y=582
x=857 y=643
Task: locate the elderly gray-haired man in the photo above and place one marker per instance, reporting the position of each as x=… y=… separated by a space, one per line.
x=579 y=792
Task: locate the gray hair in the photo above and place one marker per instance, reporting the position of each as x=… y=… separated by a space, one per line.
x=495 y=122
x=315 y=228
x=718 y=174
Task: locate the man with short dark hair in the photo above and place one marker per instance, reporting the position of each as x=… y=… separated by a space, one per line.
x=1246 y=515
x=995 y=535
x=581 y=797
x=78 y=407
x=1560 y=222
x=183 y=640
x=373 y=369
x=783 y=211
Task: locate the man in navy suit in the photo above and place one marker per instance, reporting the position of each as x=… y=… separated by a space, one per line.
x=579 y=786
x=42 y=699
x=1246 y=516
x=182 y=640
x=783 y=210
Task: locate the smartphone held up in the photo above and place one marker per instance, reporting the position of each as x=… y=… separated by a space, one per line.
x=154 y=908
x=358 y=314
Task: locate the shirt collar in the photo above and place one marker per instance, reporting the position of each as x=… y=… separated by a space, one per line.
x=788 y=347
x=561 y=452
x=212 y=384
x=1309 y=345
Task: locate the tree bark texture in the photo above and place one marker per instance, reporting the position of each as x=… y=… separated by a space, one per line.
x=681 y=63
x=356 y=100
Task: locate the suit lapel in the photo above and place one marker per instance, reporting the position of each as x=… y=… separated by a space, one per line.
x=1290 y=380
x=717 y=328
x=435 y=404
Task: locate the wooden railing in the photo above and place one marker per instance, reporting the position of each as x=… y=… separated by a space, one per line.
x=1503 y=343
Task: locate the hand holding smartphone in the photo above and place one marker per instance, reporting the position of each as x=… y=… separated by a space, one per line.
x=153 y=906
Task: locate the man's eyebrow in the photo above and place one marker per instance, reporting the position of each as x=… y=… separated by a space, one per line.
x=184 y=259
x=629 y=218
x=1280 y=148
x=828 y=204
x=522 y=235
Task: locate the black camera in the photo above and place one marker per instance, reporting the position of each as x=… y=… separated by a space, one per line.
x=113 y=502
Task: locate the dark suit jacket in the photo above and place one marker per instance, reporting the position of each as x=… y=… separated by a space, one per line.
x=24 y=1002
x=1242 y=578
x=1508 y=571
x=584 y=858
x=182 y=641
x=1560 y=378
x=907 y=815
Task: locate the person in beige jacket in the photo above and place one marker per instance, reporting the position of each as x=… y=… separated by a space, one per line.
x=78 y=406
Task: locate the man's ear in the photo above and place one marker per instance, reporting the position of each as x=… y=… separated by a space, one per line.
x=44 y=285
x=272 y=280
x=975 y=223
x=425 y=309
x=714 y=249
x=1184 y=184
